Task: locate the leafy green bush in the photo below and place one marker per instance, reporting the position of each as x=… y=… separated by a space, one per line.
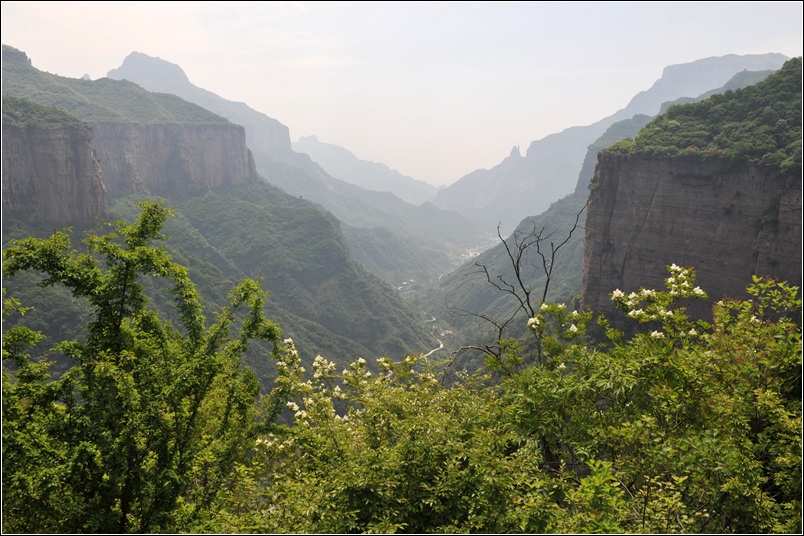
x=686 y=427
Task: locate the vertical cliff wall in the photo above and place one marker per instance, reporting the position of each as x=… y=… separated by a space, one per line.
x=727 y=221
x=166 y=159
x=51 y=174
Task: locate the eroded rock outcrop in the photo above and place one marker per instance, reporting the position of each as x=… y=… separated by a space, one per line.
x=51 y=174
x=728 y=221
x=168 y=159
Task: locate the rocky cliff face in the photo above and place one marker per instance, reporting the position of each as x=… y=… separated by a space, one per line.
x=265 y=135
x=728 y=222
x=167 y=159
x=51 y=174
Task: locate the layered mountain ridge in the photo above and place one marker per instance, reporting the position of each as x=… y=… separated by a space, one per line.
x=549 y=170
x=342 y=164
x=397 y=240
x=715 y=185
x=230 y=223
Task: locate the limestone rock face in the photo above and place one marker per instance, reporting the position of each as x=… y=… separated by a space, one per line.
x=51 y=174
x=167 y=159
x=727 y=221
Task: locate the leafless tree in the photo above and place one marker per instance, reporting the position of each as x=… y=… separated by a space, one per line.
x=519 y=285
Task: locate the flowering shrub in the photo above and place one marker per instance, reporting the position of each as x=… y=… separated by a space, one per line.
x=685 y=428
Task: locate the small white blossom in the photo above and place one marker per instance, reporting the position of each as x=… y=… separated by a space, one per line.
x=657 y=335
x=698 y=291
x=534 y=322
x=544 y=306
x=293 y=406
x=573 y=328
x=617 y=294
x=562 y=366
x=692 y=333
x=574 y=314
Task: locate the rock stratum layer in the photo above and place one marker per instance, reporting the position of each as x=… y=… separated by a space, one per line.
x=51 y=174
x=727 y=221
x=167 y=159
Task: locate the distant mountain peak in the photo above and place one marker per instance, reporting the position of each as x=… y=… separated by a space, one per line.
x=138 y=66
x=515 y=152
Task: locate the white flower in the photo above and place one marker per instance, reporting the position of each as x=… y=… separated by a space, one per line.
x=562 y=306
x=692 y=333
x=574 y=314
x=755 y=320
x=573 y=328
x=617 y=294
x=657 y=335
x=562 y=366
x=534 y=322
x=698 y=291
x=293 y=406
x=361 y=361
x=544 y=306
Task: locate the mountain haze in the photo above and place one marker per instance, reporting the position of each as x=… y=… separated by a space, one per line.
x=344 y=165
x=158 y=144
x=432 y=240
x=466 y=289
x=522 y=186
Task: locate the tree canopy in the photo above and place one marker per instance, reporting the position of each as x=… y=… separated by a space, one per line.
x=759 y=124
x=685 y=427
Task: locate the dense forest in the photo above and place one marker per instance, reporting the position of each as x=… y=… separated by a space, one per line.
x=759 y=123
x=168 y=410
x=685 y=427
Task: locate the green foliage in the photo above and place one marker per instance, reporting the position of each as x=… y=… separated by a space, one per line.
x=759 y=124
x=21 y=112
x=151 y=416
x=700 y=424
x=686 y=427
x=386 y=452
x=96 y=101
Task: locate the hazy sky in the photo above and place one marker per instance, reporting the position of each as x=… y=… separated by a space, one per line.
x=434 y=90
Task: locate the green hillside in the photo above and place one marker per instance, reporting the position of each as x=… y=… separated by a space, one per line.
x=759 y=124
x=325 y=300
x=103 y=100
x=321 y=297
x=21 y=112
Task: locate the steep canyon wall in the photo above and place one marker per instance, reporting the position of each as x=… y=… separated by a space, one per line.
x=728 y=221
x=168 y=159
x=51 y=174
